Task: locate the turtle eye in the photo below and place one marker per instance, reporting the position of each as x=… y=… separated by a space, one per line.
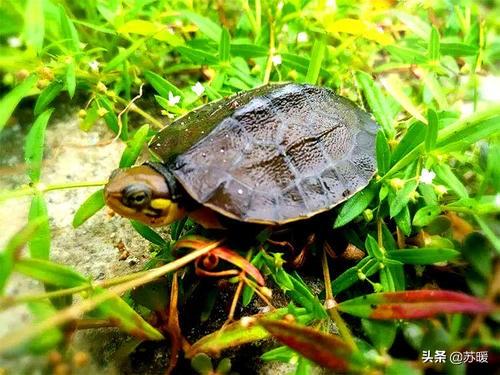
x=136 y=195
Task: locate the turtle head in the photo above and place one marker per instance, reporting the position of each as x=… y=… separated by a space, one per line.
x=144 y=193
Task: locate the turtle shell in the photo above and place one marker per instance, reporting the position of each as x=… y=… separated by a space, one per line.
x=272 y=155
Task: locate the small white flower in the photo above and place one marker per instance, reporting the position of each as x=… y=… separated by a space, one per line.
x=427 y=176
x=276 y=59
x=94 y=65
x=302 y=37
x=173 y=99
x=198 y=89
x=280 y=5
x=497 y=200
x=14 y=42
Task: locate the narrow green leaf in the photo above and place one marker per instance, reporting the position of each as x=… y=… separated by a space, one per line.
x=426 y=215
x=123 y=55
x=224 y=45
x=34 y=24
x=394 y=86
x=125 y=317
x=51 y=337
x=350 y=276
x=355 y=206
x=445 y=174
x=110 y=117
x=317 y=55
x=10 y=101
x=248 y=51
x=50 y=273
x=206 y=25
x=402 y=197
x=161 y=85
x=458 y=49
x=13 y=249
x=68 y=31
x=71 y=78
x=433 y=49
x=470 y=129
x=423 y=255
x=381 y=334
x=377 y=102
x=372 y=248
x=88 y=208
x=413 y=137
x=39 y=244
x=432 y=130
x=198 y=56
x=403 y=221
x=148 y=233
x=383 y=154
x=33 y=149
x=47 y=96
x=134 y=147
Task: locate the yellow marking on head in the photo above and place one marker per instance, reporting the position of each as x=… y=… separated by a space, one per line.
x=174 y=213
x=161 y=203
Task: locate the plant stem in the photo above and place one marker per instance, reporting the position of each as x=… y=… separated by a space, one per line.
x=344 y=331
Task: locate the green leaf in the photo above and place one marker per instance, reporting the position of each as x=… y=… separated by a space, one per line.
x=433 y=49
x=68 y=31
x=39 y=244
x=206 y=25
x=431 y=83
x=445 y=174
x=458 y=49
x=432 y=130
x=34 y=24
x=394 y=85
x=71 y=78
x=224 y=45
x=377 y=102
x=383 y=154
x=413 y=137
x=149 y=29
x=469 y=130
x=426 y=215
x=10 y=101
x=402 y=197
x=403 y=221
x=110 y=117
x=125 y=317
x=161 y=85
x=372 y=248
x=134 y=147
x=202 y=364
x=381 y=334
x=33 y=149
x=50 y=272
x=423 y=255
x=123 y=55
x=51 y=337
x=355 y=206
x=47 y=96
x=317 y=56
x=148 y=233
x=88 y=208
x=350 y=276
x=477 y=251
x=13 y=249
x=248 y=51
x=198 y=56
x=236 y=334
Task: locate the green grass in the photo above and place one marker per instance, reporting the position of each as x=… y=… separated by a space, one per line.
x=140 y=64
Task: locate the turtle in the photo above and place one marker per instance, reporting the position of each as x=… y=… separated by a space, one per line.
x=272 y=155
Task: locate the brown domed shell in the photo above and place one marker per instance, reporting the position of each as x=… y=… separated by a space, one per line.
x=285 y=154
